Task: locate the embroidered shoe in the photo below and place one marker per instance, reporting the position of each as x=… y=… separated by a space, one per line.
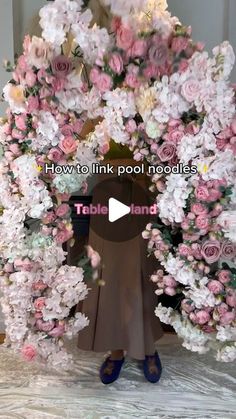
x=110 y=370
x=152 y=368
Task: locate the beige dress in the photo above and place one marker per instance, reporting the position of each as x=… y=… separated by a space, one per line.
x=121 y=312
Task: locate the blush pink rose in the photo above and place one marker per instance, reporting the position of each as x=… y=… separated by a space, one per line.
x=199 y=209
x=211 y=251
x=45 y=326
x=166 y=151
x=170 y=291
x=215 y=286
x=169 y=281
x=55 y=155
x=202 y=222
x=62 y=210
x=233 y=126
x=39 y=303
x=124 y=37
x=67 y=130
x=202 y=317
x=196 y=250
x=29 y=352
x=231 y=299
x=104 y=82
x=228 y=250
x=20 y=121
x=158 y=53
x=185 y=250
x=132 y=81
x=222 y=309
x=94 y=257
x=202 y=193
x=61 y=66
x=94 y=75
x=18 y=135
x=227 y=318
x=150 y=71
x=30 y=78
x=32 y=104
x=116 y=63
x=174 y=136
x=138 y=49
x=63 y=236
x=131 y=126
x=68 y=145
x=224 y=276
x=179 y=44
x=190 y=90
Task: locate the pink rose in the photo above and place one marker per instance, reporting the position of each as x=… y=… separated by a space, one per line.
x=202 y=193
x=125 y=37
x=78 y=126
x=150 y=71
x=39 y=304
x=187 y=306
x=116 y=63
x=104 y=82
x=132 y=81
x=202 y=317
x=215 y=286
x=185 y=250
x=94 y=257
x=22 y=64
x=138 y=49
x=57 y=331
x=192 y=128
x=190 y=89
x=32 y=104
x=39 y=286
x=67 y=130
x=158 y=53
x=14 y=148
x=30 y=78
x=62 y=210
x=49 y=218
x=211 y=251
x=45 y=326
x=233 y=126
x=231 y=298
x=179 y=44
x=199 y=209
x=170 y=291
x=202 y=222
x=169 y=281
x=227 y=318
x=166 y=151
x=20 y=121
x=18 y=135
x=55 y=155
x=61 y=66
x=63 y=236
x=222 y=309
x=94 y=75
x=228 y=250
x=224 y=276
x=131 y=126
x=68 y=145
x=174 y=136
x=196 y=250
x=29 y=352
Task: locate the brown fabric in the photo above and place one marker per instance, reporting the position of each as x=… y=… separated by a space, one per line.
x=121 y=313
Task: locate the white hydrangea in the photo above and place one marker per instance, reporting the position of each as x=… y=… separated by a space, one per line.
x=227 y=353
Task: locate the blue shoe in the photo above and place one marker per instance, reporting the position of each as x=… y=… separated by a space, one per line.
x=152 y=368
x=110 y=370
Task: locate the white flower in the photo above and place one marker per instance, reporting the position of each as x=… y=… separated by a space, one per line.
x=121 y=100
x=225 y=58
x=47 y=130
x=227 y=353
x=15 y=96
x=226 y=333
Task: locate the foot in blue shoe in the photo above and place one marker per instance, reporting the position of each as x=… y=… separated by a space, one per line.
x=152 y=368
x=110 y=370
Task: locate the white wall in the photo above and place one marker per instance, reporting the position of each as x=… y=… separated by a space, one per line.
x=6 y=43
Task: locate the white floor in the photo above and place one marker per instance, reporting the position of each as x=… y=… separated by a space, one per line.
x=191 y=387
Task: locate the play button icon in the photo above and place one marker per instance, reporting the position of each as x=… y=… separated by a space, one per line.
x=117 y=210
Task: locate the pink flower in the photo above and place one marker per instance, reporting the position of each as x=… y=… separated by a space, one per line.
x=202 y=317
x=30 y=78
x=199 y=209
x=57 y=332
x=138 y=49
x=18 y=135
x=131 y=126
x=20 y=121
x=170 y=291
x=150 y=71
x=78 y=126
x=196 y=250
x=39 y=286
x=202 y=222
x=62 y=210
x=224 y=276
x=190 y=89
x=222 y=309
x=94 y=75
x=29 y=352
x=116 y=63
x=179 y=44
x=124 y=37
x=174 y=136
x=55 y=155
x=169 y=281
x=14 y=148
x=61 y=66
x=233 y=126
x=132 y=81
x=39 y=303
x=166 y=151
x=228 y=250
x=215 y=286
x=183 y=65
x=45 y=326
x=94 y=257
x=63 y=236
x=67 y=130
x=68 y=145
x=115 y=23
x=104 y=82
x=231 y=298
x=211 y=251
x=187 y=306
x=49 y=218
x=158 y=53
x=227 y=318
x=32 y=104
x=185 y=250
x=202 y=193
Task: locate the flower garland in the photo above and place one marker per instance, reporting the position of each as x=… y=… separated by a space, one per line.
x=158 y=92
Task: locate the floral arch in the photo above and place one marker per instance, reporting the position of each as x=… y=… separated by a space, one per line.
x=156 y=90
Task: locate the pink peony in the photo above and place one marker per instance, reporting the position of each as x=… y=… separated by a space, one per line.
x=138 y=49
x=116 y=63
x=104 y=82
x=224 y=276
x=29 y=352
x=61 y=66
x=125 y=37
x=68 y=145
x=32 y=104
x=202 y=193
x=39 y=304
x=202 y=222
x=179 y=44
x=211 y=251
x=185 y=250
x=62 y=210
x=227 y=318
x=228 y=250
x=215 y=286
x=166 y=151
x=199 y=209
x=202 y=317
x=190 y=89
x=20 y=121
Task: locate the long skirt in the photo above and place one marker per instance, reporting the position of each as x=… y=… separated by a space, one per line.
x=121 y=312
